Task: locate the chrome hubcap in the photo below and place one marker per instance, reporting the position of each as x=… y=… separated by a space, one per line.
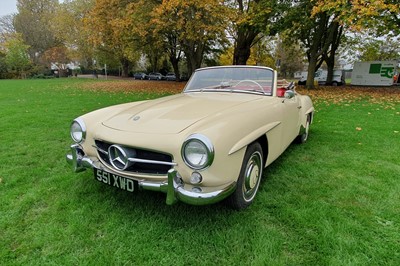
x=252 y=176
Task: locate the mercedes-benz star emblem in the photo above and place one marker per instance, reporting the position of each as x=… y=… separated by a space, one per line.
x=118 y=157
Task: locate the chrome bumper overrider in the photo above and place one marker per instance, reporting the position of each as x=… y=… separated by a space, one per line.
x=174 y=186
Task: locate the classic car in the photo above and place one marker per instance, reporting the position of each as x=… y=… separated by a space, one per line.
x=207 y=144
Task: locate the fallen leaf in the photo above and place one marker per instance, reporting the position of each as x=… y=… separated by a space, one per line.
x=358 y=128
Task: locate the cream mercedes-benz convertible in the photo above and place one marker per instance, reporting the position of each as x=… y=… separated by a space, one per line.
x=209 y=143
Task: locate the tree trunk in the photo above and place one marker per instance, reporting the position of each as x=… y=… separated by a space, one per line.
x=194 y=55
x=329 y=77
x=125 y=67
x=312 y=63
x=319 y=45
x=337 y=32
x=175 y=65
x=174 y=54
x=243 y=43
x=241 y=53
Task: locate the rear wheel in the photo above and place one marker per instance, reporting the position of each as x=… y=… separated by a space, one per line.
x=249 y=178
x=302 y=138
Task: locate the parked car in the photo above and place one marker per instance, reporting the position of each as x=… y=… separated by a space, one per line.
x=204 y=145
x=170 y=76
x=140 y=75
x=155 y=76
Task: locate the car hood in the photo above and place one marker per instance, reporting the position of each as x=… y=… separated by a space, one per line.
x=173 y=114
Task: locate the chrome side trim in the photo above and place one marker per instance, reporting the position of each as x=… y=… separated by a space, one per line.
x=100 y=150
x=136 y=160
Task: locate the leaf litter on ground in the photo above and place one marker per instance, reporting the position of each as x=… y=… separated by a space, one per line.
x=387 y=97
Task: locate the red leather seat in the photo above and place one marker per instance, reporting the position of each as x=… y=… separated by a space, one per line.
x=280 y=92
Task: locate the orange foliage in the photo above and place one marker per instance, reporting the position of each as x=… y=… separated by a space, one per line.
x=359 y=13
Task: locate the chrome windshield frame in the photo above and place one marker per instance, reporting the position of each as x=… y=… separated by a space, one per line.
x=229 y=89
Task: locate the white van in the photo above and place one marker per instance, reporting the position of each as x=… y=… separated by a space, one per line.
x=373 y=73
x=321 y=76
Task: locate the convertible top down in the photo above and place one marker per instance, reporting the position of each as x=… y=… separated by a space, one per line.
x=209 y=143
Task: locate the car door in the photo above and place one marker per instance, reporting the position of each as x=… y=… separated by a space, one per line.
x=290 y=120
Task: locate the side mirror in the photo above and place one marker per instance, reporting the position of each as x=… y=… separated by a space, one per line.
x=289 y=94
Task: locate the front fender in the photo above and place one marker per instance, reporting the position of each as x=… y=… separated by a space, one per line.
x=307 y=109
x=246 y=140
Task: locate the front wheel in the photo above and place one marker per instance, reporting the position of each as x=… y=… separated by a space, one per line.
x=249 y=177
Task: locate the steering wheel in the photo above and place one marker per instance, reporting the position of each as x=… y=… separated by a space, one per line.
x=251 y=81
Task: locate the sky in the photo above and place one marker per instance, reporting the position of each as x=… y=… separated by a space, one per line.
x=8 y=7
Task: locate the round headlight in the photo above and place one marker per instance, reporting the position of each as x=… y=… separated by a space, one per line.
x=78 y=130
x=198 y=152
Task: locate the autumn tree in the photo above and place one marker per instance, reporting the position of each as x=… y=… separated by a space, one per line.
x=382 y=16
x=57 y=57
x=194 y=25
x=33 y=21
x=153 y=40
x=262 y=53
x=16 y=55
x=166 y=35
x=6 y=27
x=68 y=26
x=290 y=55
x=367 y=48
x=3 y=66
x=251 y=20
x=318 y=33
x=7 y=31
x=110 y=27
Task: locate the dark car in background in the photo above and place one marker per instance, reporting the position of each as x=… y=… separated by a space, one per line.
x=170 y=76
x=155 y=76
x=140 y=75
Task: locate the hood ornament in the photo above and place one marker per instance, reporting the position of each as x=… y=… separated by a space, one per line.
x=136 y=118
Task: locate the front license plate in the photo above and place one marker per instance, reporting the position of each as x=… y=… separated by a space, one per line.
x=114 y=180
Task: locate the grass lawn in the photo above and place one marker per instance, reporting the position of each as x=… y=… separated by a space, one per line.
x=332 y=201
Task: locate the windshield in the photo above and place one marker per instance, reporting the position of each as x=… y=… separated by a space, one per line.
x=245 y=79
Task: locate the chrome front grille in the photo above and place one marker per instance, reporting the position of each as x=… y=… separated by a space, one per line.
x=133 y=160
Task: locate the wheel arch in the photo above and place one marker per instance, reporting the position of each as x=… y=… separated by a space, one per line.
x=263 y=140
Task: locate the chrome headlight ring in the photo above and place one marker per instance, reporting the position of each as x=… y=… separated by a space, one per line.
x=197 y=152
x=78 y=130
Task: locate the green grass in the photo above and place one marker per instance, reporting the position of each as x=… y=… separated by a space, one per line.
x=333 y=201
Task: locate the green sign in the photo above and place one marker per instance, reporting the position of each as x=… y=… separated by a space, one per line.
x=386 y=72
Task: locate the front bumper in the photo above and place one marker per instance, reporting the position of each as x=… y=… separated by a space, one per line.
x=174 y=186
